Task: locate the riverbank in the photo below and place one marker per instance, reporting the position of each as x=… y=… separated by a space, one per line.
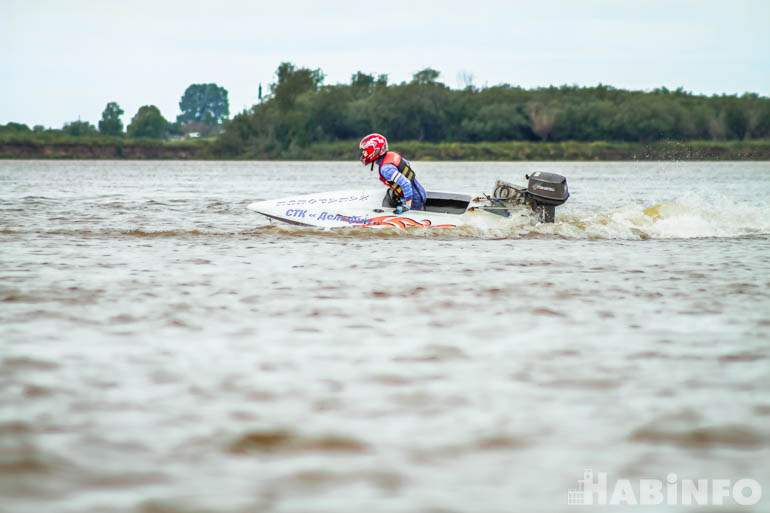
x=138 y=149
x=545 y=151
x=103 y=148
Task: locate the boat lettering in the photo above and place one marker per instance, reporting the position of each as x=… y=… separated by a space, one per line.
x=359 y=220
x=543 y=188
x=341 y=199
x=295 y=213
x=326 y=216
x=312 y=201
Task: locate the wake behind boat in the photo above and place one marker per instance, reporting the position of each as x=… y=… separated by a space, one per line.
x=508 y=204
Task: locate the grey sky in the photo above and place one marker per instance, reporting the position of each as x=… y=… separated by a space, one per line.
x=61 y=60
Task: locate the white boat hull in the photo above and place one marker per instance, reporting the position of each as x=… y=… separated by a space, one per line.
x=367 y=209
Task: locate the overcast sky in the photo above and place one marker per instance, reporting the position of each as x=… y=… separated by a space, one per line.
x=64 y=60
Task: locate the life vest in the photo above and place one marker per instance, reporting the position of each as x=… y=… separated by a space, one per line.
x=394 y=158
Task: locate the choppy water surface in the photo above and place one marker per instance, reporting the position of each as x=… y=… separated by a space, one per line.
x=165 y=349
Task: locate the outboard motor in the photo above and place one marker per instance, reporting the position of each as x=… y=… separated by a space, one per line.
x=545 y=192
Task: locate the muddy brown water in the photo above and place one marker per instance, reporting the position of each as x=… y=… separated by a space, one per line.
x=165 y=349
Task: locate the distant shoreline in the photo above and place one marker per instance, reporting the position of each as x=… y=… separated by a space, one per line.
x=107 y=149
x=141 y=149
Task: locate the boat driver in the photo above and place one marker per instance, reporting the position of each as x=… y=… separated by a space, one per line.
x=395 y=172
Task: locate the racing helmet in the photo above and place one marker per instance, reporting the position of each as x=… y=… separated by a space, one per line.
x=372 y=147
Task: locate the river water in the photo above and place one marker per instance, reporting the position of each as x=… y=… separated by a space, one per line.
x=164 y=349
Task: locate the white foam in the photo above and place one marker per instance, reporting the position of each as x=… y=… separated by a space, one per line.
x=691 y=216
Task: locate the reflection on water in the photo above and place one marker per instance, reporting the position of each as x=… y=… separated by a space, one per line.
x=164 y=349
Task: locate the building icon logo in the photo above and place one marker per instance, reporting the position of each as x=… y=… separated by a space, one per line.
x=584 y=493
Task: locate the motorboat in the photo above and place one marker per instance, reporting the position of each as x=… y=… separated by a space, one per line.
x=508 y=204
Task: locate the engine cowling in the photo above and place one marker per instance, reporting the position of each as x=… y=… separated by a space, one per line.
x=547 y=188
x=546 y=191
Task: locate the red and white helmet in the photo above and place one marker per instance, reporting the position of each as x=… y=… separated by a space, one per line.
x=372 y=147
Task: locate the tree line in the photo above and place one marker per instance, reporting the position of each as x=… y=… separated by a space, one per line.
x=203 y=107
x=300 y=110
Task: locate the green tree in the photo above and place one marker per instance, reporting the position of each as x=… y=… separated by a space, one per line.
x=14 y=128
x=426 y=76
x=79 y=128
x=411 y=111
x=736 y=120
x=111 y=123
x=292 y=82
x=497 y=122
x=762 y=125
x=331 y=110
x=362 y=83
x=205 y=103
x=148 y=122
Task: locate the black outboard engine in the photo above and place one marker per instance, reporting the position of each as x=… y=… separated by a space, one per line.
x=545 y=192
